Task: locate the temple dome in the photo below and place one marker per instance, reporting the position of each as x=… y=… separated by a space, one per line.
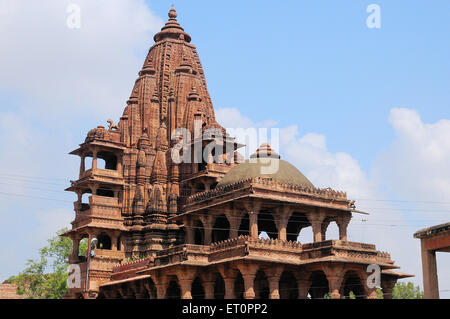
x=266 y=163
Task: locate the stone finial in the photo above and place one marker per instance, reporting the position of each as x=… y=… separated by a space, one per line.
x=265 y=151
x=172 y=13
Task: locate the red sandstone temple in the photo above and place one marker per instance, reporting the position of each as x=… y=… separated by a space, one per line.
x=192 y=230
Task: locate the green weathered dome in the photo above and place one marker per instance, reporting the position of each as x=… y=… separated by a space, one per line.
x=286 y=172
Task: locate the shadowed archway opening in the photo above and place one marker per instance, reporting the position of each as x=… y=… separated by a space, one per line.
x=173 y=291
x=106 y=160
x=319 y=285
x=219 y=287
x=150 y=287
x=261 y=285
x=266 y=224
x=105 y=192
x=296 y=222
x=104 y=242
x=352 y=286
x=288 y=286
x=221 y=229
x=197 y=290
x=244 y=226
x=199 y=233
x=239 y=286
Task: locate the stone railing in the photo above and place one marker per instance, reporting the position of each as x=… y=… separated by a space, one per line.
x=135 y=264
x=107 y=173
x=244 y=246
x=327 y=193
x=340 y=244
x=255 y=242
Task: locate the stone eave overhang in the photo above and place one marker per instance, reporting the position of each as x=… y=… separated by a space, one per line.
x=84 y=182
x=93 y=226
x=104 y=144
x=258 y=188
x=219 y=141
x=432 y=231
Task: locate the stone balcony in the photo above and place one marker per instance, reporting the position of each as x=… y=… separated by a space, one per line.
x=101 y=173
x=267 y=250
x=99 y=208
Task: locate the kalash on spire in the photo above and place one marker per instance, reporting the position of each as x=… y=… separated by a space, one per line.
x=161 y=228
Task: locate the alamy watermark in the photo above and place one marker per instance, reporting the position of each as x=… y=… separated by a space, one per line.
x=213 y=145
x=73 y=20
x=374 y=19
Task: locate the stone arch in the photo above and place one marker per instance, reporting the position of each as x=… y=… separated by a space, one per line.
x=239 y=286
x=261 y=285
x=199 y=233
x=84 y=200
x=173 y=290
x=288 y=285
x=244 y=226
x=83 y=245
x=105 y=192
x=221 y=229
x=319 y=285
x=332 y=231
x=353 y=283
x=150 y=288
x=119 y=243
x=266 y=224
x=197 y=290
x=106 y=160
x=219 y=287
x=104 y=242
x=296 y=222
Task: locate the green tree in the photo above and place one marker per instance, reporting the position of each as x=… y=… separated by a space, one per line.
x=46 y=277
x=406 y=291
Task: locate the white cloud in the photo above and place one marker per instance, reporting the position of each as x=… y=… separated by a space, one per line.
x=55 y=82
x=90 y=69
x=232 y=118
x=417 y=163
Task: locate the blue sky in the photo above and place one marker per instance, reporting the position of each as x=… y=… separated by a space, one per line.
x=363 y=110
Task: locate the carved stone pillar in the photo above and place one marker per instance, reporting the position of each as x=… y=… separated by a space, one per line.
x=229 y=288
x=303 y=288
x=342 y=223
x=234 y=220
x=82 y=165
x=161 y=290
x=274 y=284
x=114 y=242
x=208 y=286
x=249 y=286
x=335 y=276
x=186 y=286
x=253 y=209
x=316 y=218
x=281 y=221
x=76 y=247
x=372 y=293
x=189 y=230
x=94 y=159
x=387 y=286
x=334 y=283
x=253 y=216
x=208 y=223
x=324 y=228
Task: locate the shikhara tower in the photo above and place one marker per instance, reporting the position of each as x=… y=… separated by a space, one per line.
x=168 y=230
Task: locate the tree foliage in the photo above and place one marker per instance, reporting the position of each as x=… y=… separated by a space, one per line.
x=46 y=276
x=407 y=290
